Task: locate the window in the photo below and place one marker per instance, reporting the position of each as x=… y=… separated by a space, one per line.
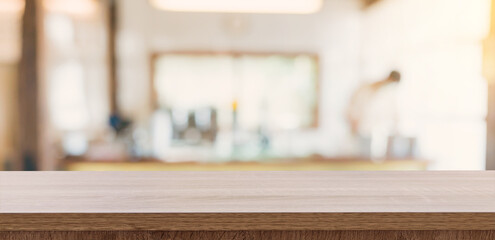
x=270 y=91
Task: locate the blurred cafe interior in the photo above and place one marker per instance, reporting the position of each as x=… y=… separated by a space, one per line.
x=195 y=85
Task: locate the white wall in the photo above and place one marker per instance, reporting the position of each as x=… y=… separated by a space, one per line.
x=10 y=37
x=437 y=45
x=333 y=33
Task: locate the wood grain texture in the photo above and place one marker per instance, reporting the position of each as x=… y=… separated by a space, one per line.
x=181 y=201
x=245 y=221
x=256 y=235
x=248 y=192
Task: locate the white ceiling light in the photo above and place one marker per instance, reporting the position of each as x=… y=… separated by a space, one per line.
x=11 y=6
x=240 y=6
x=71 y=7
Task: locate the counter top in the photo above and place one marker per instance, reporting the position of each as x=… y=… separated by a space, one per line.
x=298 y=164
x=247 y=200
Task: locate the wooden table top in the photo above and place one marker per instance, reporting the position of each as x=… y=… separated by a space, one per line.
x=247 y=200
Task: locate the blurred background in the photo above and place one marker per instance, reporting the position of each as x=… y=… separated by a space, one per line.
x=247 y=85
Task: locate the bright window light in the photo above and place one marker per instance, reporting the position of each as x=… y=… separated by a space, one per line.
x=240 y=6
x=11 y=6
x=71 y=7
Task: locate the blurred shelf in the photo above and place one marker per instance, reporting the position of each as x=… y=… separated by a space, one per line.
x=334 y=164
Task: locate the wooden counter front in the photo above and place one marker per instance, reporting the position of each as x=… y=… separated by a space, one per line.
x=247 y=205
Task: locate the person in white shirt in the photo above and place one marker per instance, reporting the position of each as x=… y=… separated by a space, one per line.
x=373 y=113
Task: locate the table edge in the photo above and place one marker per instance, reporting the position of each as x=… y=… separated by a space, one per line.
x=246 y=221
